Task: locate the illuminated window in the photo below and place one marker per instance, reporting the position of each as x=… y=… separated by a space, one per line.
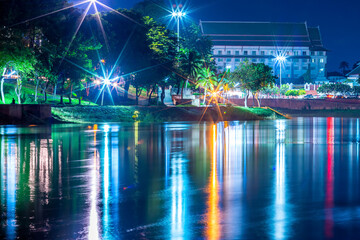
x=313 y=60
x=321 y=60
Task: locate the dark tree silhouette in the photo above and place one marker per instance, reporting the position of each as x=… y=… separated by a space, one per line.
x=344 y=66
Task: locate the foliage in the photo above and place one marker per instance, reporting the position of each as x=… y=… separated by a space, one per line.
x=295 y=92
x=334 y=88
x=284 y=88
x=271 y=90
x=253 y=77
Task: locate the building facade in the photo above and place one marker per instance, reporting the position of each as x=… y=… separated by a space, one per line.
x=262 y=42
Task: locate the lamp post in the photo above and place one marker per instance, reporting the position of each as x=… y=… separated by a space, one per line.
x=280 y=60
x=178 y=14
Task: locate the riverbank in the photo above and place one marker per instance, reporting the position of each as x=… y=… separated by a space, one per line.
x=322 y=113
x=90 y=114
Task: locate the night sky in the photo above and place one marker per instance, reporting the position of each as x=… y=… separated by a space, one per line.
x=339 y=20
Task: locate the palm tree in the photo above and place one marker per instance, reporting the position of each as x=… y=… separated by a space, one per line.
x=344 y=66
x=207 y=80
x=190 y=63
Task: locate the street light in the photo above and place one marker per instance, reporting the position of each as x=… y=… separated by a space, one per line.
x=178 y=13
x=281 y=60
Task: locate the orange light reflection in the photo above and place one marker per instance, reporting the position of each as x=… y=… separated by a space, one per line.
x=212 y=218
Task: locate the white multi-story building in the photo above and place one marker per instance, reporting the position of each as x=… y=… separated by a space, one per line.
x=262 y=42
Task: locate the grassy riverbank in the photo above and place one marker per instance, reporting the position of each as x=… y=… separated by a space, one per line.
x=90 y=114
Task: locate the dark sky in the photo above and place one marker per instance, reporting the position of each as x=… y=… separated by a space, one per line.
x=339 y=20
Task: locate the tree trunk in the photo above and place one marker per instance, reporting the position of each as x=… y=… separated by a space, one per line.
x=126 y=90
x=246 y=98
x=257 y=99
x=2 y=91
x=18 y=90
x=62 y=91
x=205 y=96
x=162 y=95
x=69 y=98
x=150 y=94
x=36 y=90
x=54 y=94
x=182 y=91
x=178 y=89
x=45 y=96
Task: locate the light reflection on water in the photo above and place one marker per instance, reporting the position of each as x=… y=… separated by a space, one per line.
x=229 y=180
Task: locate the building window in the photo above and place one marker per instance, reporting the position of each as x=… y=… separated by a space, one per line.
x=245 y=53
x=228 y=60
x=295 y=60
x=312 y=53
x=304 y=68
x=272 y=52
x=296 y=53
x=255 y=60
x=321 y=60
x=237 y=59
x=312 y=68
x=219 y=52
x=313 y=60
x=220 y=59
x=262 y=60
x=228 y=52
x=262 y=53
x=321 y=54
x=304 y=53
x=253 y=53
x=237 y=53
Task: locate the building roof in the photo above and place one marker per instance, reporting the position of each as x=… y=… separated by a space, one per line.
x=356 y=71
x=262 y=34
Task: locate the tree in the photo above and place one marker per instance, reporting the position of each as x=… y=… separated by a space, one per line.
x=344 y=66
x=271 y=90
x=190 y=63
x=207 y=80
x=253 y=78
x=284 y=88
x=18 y=58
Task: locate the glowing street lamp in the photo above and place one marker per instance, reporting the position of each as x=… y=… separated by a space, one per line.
x=177 y=13
x=281 y=60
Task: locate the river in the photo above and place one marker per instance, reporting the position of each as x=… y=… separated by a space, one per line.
x=280 y=179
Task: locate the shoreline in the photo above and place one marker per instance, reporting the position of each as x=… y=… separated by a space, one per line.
x=90 y=114
x=342 y=113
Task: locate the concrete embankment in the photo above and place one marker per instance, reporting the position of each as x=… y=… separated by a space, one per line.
x=25 y=114
x=304 y=104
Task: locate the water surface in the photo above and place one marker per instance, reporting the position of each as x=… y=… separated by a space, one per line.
x=283 y=179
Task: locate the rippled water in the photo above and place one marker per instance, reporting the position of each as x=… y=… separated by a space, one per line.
x=284 y=179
